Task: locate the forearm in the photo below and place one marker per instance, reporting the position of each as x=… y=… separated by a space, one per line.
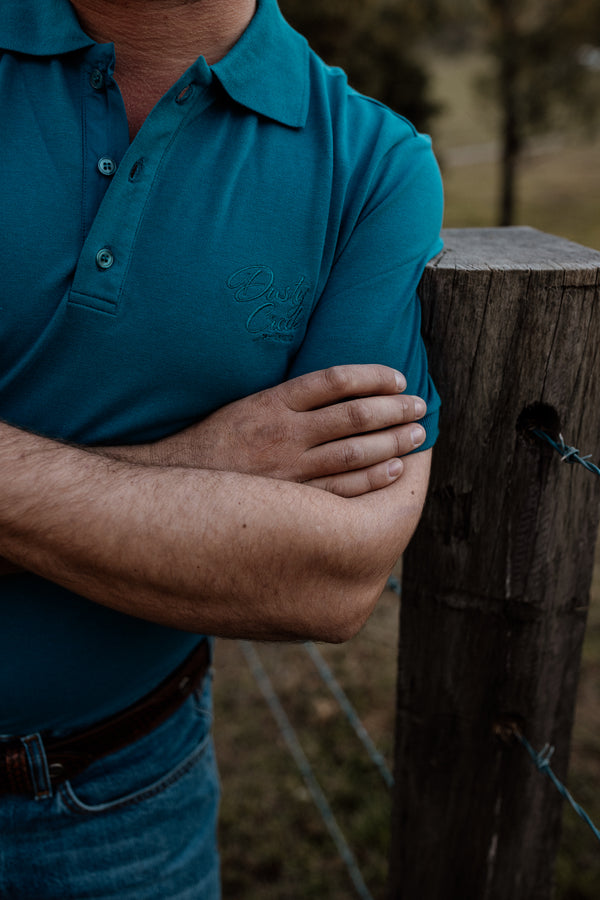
x=213 y=552
x=389 y=517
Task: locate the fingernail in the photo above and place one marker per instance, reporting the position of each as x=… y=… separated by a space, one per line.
x=400 y=382
x=418 y=435
x=420 y=407
x=395 y=468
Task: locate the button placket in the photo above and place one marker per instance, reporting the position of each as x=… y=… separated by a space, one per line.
x=104 y=262
x=105 y=134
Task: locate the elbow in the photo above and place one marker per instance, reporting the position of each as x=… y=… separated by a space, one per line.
x=355 y=589
x=385 y=525
x=344 y=610
x=352 y=619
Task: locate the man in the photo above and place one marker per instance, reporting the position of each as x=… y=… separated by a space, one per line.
x=210 y=256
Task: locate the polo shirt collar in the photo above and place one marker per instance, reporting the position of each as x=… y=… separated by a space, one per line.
x=41 y=27
x=266 y=70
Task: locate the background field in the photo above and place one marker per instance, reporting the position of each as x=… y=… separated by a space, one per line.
x=274 y=843
x=559 y=183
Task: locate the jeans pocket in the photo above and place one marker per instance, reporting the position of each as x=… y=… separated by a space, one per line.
x=147 y=767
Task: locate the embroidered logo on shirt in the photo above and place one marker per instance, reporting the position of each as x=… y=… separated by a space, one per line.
x=273 y=311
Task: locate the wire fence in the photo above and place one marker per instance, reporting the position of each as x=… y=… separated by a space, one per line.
x=352 y=716
x=567 y=453
x=289 y=735
x=541 y=760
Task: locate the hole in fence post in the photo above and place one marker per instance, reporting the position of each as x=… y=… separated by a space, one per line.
x=506 y=727
x=541 y=417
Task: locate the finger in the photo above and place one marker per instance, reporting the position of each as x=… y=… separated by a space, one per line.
x=326 y=386
x=360 y=416
x=362 y=481
x=362 y=451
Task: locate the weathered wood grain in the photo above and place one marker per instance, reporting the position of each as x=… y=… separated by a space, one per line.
x=496 y=581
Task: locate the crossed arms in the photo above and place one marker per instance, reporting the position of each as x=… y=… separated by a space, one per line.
x=278 y=517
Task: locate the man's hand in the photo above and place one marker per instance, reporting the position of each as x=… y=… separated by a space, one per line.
x=212 y=552
x=342 y=429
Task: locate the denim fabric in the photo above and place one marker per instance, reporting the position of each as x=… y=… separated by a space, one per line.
x=137 y=825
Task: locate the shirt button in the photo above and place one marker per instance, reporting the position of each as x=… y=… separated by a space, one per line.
x=97 y=79
x=107 y=166
x=104 y=258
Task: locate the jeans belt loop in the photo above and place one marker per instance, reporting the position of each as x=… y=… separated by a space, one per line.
x=38 y=766
x=30 y=767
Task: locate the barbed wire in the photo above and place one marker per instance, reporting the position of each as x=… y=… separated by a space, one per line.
x=541 y=761
x=289 y=735
x=349 y=711
x=568 y=454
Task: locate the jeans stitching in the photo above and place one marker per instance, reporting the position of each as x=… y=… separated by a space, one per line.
x=74 y=804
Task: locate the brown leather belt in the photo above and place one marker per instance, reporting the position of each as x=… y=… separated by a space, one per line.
x=70 y=755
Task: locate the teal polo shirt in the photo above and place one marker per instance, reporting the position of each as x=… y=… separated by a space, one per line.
x=266 y=221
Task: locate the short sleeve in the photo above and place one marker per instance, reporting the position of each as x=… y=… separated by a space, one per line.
x=369 y=310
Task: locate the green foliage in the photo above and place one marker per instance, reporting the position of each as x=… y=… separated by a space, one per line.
x=371 y=40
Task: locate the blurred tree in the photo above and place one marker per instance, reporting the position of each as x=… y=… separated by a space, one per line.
x=372 y=41
x=546 y=68
x=541 y=81
x=541 y=51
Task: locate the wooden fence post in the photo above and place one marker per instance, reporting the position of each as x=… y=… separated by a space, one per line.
x=496 y=581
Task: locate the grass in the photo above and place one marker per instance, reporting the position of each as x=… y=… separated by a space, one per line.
x=274 y=843
x=559 y=193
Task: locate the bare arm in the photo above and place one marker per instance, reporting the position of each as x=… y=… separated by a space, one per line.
x=344 y=430
x=217 y=552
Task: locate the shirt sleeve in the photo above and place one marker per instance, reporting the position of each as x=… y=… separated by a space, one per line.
x=369 y=310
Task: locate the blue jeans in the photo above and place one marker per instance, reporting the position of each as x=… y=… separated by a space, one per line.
x=137 y=825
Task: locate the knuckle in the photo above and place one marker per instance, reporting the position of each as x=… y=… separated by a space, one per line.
x=337 y=379
x=360 y=415
x=270 y=399
x=400 y=438
x=352 y=455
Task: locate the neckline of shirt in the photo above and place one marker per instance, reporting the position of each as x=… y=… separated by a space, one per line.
x=267 y=70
